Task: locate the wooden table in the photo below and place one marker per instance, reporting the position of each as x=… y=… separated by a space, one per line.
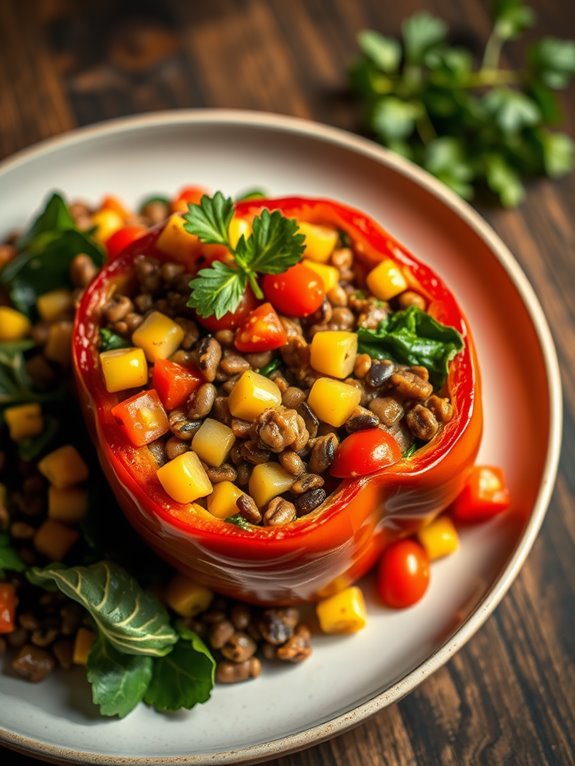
x=508 y=696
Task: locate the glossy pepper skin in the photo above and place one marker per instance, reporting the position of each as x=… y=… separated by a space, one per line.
x=335 y=545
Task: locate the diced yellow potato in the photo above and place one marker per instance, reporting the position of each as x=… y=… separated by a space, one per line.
x=439 y=538
x=184 y=478
x=24 y=420
x=68 y=505
x=64 y=467
x=13 y=324
x=82 y=645
x=268 y=480
x=329 y=275
x=333 y=401
x=58 y=347
x=124 y=368
x=158 y=335
x=186 y=597
x=333 y=352
x=252 y=394
x=54 y=540
x=53 y=305
x=213 y=441
x=386 y=280
x=174 y=240
x=345 y=612
x=320 y=241
x=222 y=501
x=107 y=222
x=238 y=226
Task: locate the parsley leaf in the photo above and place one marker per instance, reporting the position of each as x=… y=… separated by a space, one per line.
x=274 y=245
x=217 y=290
x=210 y=219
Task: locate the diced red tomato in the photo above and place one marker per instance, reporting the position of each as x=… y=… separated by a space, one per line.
x=297 y=292
x=189 y=195
x=403 y=574
x=365 y=452
x=485 y=495
x=120 y=239
x=232 y=319
x=261 y=330
x=174 y=382
x=142 y=417
x=8 y=602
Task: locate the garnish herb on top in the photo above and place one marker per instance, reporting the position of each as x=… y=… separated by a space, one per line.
x=470 y=125
x=273 y=246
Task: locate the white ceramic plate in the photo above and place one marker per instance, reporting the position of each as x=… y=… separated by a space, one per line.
x=347 y=679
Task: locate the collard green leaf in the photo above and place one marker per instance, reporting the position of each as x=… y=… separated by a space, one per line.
x=217 y=290
x=421 y=33
x=10 y=561
x=273 y=246
x=553 y=61
x=133 y=621
x=119 y=681
x=384 y=52
x=210 y=219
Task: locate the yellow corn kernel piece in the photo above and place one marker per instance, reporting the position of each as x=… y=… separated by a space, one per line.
x=345 y=612
x=333 y=352
x=329 y=275
x=54 y=540
x=222 y=501
x=439 y=538
x=186 y=597
x=320 y=241
x=174 y=240
x=24 y=421
x=124 y=368
x=213 y=441
x=268 y=480
x=68 y=505
x=333 y=401
x=82 y=645
x=158 y=335
x=107 y=222
x=58 y=347
x=55 y=304
x=64 y=467
x=184 y=478
x=238 y=226
x=252 y=394
x=13 y=324
x=386 y=280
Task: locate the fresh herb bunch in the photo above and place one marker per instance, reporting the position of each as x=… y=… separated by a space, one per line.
x=273 y=247
x=471 y=125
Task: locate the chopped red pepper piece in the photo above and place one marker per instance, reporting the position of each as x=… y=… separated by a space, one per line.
x=8 y=601
x=261 y=330
x=174 y=382
x=485 y=495
x=142 y=417
x=365 y=452
x=120 y=239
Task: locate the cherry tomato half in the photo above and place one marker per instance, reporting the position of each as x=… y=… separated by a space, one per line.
x=365 y=452
x=403 y=574
x=120 y=239
x=484 y=495
x=232 y=319
x=261 y=330
x=297 y=292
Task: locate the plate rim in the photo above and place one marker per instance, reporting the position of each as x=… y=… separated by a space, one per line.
x=343 y=138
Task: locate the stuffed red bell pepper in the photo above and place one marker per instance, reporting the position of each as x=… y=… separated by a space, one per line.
x=277 y=389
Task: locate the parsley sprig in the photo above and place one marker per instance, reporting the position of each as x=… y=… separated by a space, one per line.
x=273 y=246
x=470 y=123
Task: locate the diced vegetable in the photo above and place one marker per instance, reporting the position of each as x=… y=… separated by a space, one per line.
x=261 y=330
x=174 y=382
x=268 y=480
x=386 y=280
x=403 y=574
x=252 y=394
x=175 y=241
x=142 y=417
x=184 y=478
x=106 y=222
x=186 y=597
x=296 y=292
x=333 y=401
x=333 y=352
x=54 y=304
x=329 y=275
x=123 y=237
x=485 y=495
x=365 y=452
x=13 y=324
x=213 y=441
x=55 y=540
x=24 y=420
x=82 y=645
x=237 y=228
x=8 y=603
x=124 y=368
x=111 y=202
x=64 y=467
x=320 y=241
x=158 y=335
x=58 y=347
x=68 y=505
x=439 y=538
x=345 y=612
x=189 y=195
x=222 y=501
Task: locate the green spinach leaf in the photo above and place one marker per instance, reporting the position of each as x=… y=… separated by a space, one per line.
x=110 y=340
x=10 y=561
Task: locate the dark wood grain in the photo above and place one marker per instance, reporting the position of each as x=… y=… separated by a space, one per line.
x=508 y=696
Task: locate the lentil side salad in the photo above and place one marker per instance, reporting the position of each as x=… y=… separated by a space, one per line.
x=258 y=380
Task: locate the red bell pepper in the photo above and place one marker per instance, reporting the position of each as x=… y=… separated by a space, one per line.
x=141 y=417
x=320 y=553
